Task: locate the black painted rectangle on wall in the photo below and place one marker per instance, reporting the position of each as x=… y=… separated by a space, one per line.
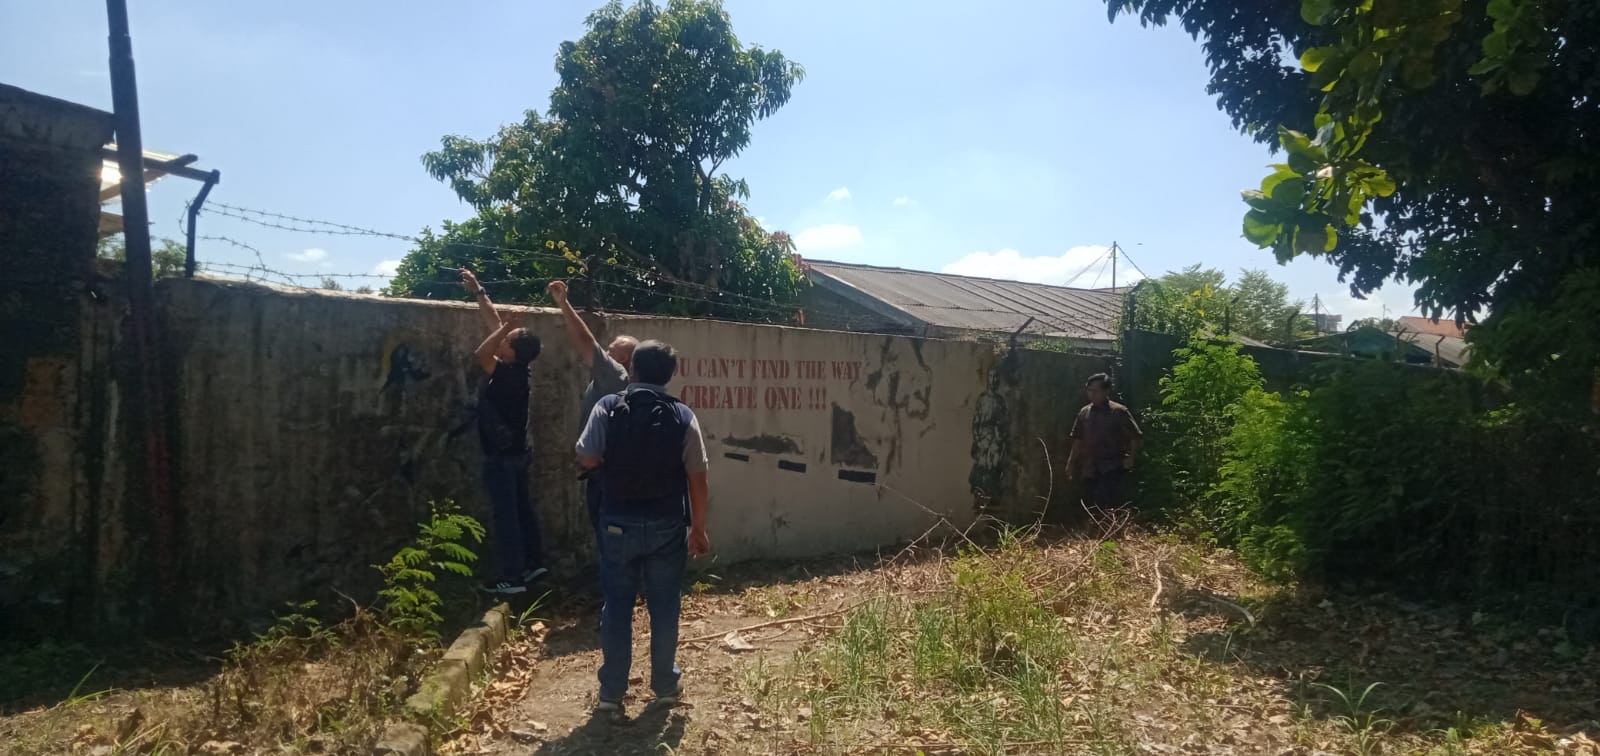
x=737 y=456
x=858 y=476
x=784 y=464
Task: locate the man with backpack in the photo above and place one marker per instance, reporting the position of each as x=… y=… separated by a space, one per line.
x=507 y=356
x=650 y=454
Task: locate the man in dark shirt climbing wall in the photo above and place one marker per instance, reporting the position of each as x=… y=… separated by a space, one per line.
x=1105 y=441
x=507 y=355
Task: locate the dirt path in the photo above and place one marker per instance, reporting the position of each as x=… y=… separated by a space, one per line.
x=1153 y=647
x=545 y=707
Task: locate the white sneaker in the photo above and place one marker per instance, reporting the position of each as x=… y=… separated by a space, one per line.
x=505 y=587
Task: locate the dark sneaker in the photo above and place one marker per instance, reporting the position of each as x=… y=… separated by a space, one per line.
x=505 y=587
x=610 y=711
x=529 y=576
x=671 y=699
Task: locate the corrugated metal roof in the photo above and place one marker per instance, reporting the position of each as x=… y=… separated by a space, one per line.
x=111 y=173
x=1451 y=349
x=982 y=304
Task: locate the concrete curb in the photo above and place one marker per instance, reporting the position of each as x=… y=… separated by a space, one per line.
x=446 y=687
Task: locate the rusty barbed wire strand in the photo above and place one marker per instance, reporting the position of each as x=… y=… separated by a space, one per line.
x=716 y=296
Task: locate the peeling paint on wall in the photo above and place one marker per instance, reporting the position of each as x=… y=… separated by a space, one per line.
x=988 y=445
x=847 y=448
x=765 y=444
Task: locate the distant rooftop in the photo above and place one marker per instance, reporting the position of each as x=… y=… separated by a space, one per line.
x=1445 y=326
x=947 y=301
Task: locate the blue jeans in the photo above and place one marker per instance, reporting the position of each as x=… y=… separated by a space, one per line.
x=516 y=527
x=640 y=552
x=591 y=493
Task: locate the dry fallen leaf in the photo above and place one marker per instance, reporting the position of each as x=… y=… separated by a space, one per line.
x=735 y=643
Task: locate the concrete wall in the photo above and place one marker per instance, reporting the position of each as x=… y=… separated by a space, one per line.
x=315 y=427
x=312 y=429
x=309 y=430
x=50 y=302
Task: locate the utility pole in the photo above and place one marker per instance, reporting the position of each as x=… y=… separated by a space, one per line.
x=146 y=413
x=1113 y=265
x=130 y=152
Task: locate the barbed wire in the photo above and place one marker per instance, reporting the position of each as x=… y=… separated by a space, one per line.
x=710 y=295
x=269 y=219
x=328 y=227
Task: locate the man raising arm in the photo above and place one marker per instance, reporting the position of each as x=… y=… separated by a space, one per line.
x=608 y=374
x=507 y=356
x=469 y=281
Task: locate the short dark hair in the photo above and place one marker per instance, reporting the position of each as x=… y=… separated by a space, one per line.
x=1100 y=378
x=525 y=345
x=654 y=362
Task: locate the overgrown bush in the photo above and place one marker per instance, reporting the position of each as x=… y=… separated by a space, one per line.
x=1267 y=456
x=1414 y=479
x=1186 y=435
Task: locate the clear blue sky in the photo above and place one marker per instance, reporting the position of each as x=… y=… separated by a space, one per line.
x=1010 y=139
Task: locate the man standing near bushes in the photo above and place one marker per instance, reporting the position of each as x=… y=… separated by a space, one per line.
x=1105 y=440
x=507 y=355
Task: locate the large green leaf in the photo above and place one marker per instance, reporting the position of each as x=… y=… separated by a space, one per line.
x=1259 y=228
x=1314 y=12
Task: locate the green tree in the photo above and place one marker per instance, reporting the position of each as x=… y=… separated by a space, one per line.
x=1387 y=325
x=1441 y=142
x=1198 y=300
x=167 y=259
x=625 y=170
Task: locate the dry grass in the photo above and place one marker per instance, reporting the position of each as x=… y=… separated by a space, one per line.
x=1145 y=645
x=300 y=688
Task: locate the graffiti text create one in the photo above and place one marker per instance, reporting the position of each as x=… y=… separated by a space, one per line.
x=709 y=383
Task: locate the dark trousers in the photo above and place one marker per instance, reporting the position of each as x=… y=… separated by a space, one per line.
x=648 y=554
x=591 y=492
x=516 y=527
x=1105 y=489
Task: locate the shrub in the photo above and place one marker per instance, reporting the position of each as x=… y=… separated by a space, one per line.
x=1186 y=435
x=410 y=603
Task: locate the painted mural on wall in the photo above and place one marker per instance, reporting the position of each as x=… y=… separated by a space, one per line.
x=851 y=416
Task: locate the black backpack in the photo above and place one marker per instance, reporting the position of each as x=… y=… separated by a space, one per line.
x=644 y=447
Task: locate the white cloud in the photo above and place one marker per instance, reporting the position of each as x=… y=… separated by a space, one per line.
x=313 y=255
x=831 y=236
x=1084 y=267
x=386 y=268
x=904 y=202
x=840 y=194
x=1390 y=301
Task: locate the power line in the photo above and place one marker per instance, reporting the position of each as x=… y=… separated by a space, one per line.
x=1109 y=257
x=1085 y=269
x=1134 y=264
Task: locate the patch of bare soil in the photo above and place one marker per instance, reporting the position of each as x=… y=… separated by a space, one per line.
x=1138 y=645
x=734 y=620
